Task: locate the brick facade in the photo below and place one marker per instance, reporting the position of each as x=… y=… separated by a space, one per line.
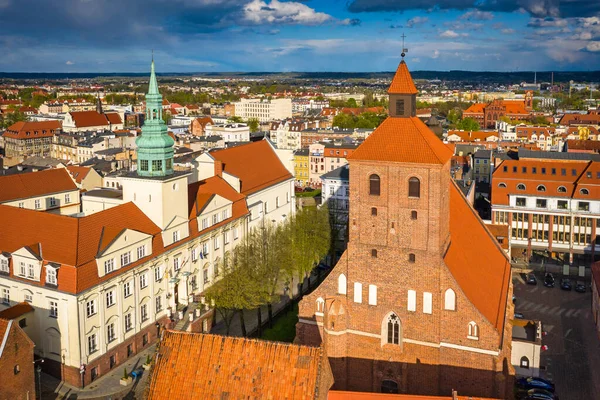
x=16 y=363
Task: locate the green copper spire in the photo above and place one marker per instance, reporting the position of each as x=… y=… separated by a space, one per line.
x=154 y=146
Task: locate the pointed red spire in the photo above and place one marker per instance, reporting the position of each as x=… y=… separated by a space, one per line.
x=402 y=82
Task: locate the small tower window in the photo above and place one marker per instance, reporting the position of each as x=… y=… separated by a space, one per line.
x=414 y=187
x=374 y=253
x=400 y=107
x=411 y=258
x=374 y=185
x=374 y=211
x=413 y=215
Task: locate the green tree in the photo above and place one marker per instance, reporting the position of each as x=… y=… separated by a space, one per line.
x=468 y=124
x=253 y=124
x=235 y=118
x=344 y=121
x=12 y=117
x=351 y=103
x=454 y=116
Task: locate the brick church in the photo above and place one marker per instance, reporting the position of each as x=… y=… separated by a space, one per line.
x=420 y=302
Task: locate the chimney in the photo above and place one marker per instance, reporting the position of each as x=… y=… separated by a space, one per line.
x=218 y=168
x=454 y=395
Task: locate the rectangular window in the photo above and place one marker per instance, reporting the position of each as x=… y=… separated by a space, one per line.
x=205 y=223
x=540 y=203
x=156 y=165
x=29 y=298
x=176 y=236
x=583 y=206
x=400 y=107
x=357 y=292
x=53 y=309
x=224 y=215
x=215 y=219
x=128 y=323
x=30 y=271
x=372 y=295
x=574 y=172
x=563 y=204
x=194 y=254
x=427 y=303
x=534 y=170
x=158 y=303
x=563 y=171
x=125 y=258
x=521 y=201
x=67 y=198
x=38 y=204
x=92 y=344
x=143 y=280
x=110 y=333
x=144 y=312
x=235 y=233
x=52 y=202
x=5 y=296
x=176 y=264
x=91 y=308
x=267 y=203
x=110 y=299
x=412 y=301
x=226 y=237
x=141 y=251
x=22 y=269
x=216 y=243
x=127 y=289
x=158 y=274
x=205 y=276
x=205 y=249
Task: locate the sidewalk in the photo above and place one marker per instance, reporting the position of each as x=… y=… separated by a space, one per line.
x=106 y=387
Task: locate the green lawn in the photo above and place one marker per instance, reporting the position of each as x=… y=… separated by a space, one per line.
x=284 y=328
x=314 y=193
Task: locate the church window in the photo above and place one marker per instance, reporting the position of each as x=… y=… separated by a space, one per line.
x=393 y=329
x=389 y=386
x=374 y=211
x=400 y=107
x=412 y=301
x=450 y=300
x=473 y=331
x=342 y=284
x=411 y=258
x=502 y=185
x=413 y=215
x=372 y=295
x=374 y=253
x=414 y=187
x=143 y=165
x=357 y=292
x=374 y=185
x=320 y=305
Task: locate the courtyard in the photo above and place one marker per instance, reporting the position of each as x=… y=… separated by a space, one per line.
x=572 y=360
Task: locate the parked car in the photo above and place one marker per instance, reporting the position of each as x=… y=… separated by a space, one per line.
x=531 y=280
x=539 y=394
x=519 y=315
x=565 y=284
x=535 y=383
x=549 y=280
x=580 y=287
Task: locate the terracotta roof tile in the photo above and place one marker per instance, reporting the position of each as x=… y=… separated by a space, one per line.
x=471 y=246
x=16 y=311
x=402 y=82
x=476 y=108
x=84 y=119
x=32 y=129
x=113 y=118
x=33 y=184
x=78 y=173
x=256 y=165
x=403 y=140
x=200 y=366
x=473 y=136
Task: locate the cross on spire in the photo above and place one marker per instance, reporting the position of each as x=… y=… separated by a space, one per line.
x=404 y=49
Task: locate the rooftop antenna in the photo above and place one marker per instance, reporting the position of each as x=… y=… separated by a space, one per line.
x=535 y=78
x=404 y=49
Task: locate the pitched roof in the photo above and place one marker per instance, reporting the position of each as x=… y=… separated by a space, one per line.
x=202 y=366
x=402 y=82
x=515 y=107
x=16 y=311
x=5 y=325
x=200 y=193
x=32 y=129
x=403 y=140
x=113 y=118
x=256 y=165
x=33 y=184
x=78 y=173
x=471 y=246
x=476 y=108
x=474 y=136
x=83 y=119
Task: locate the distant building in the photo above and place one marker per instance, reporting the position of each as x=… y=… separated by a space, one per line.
x=232 y=132
x=85 y=178
x=336 y=154
x=526 y=347
x=80 y=121
x=487 y=114
x=335 y=192
x=28 y=139
x=264 y=110
x=472 y=136
x=198 y=126
x=482 y=166
x=301 y=167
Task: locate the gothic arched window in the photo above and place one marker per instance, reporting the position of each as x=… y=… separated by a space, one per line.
x=414 y=187
x=392 y=326
x=450 y=300
x=374 y=185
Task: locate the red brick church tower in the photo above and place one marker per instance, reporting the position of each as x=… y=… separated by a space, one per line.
x=420 y=302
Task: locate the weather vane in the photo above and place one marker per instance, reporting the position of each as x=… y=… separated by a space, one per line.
x=404 y=49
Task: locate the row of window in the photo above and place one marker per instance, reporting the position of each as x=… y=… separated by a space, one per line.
x=52 y=304
x=414 y=186
x=542 y=188
x=52 y=202
x=553 y=171
x=109 y=265
x=561 y=204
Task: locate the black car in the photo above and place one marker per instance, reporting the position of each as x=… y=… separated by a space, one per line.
x=528 y=383
x=580 y=287
x=549 y=280
x=565 y=284
x=531 y=280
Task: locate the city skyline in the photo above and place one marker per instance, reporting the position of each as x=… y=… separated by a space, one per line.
x=272 y=35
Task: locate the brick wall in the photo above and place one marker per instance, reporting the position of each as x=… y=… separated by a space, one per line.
x=16 y=364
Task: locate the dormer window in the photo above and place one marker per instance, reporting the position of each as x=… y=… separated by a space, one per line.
x=51 y=275
x=4 y=265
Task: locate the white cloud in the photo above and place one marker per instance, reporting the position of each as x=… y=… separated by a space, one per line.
x=4 y=3
x=452 y=34
x=508 y=31
x=416 y=21
x=69 y=62
x=593 y=46
x=436 y=54
x=292 y=13
x=477 y=14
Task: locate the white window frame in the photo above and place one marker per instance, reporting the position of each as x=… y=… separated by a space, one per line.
x=22 y=269
x=158 y=273
x=109 y=265
x=30 y=271
x=158 y=303
x=53 y=307
x=141 y=251
x=450 y=300
x=5 y=296
x=176 y=236
x=427 y=303
x=91 y=308
x=127 y=289
x=473 y=331
x=38 y=204
x=176 y=263
x=342 y=282
x=194 y=254
x=128 y=322
x=144 y=312
x=357 y=292
x=110 y=298
x=216 y=243
x=111 y=335
x=92 y=343
x=143 y=280
x=372 y=295
x=125 y=258
x=412 y=301
x=67 y=198
x=51 y=275
x=28 y=298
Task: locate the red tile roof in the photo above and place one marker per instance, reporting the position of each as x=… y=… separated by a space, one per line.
x=201 y=366
x=114 y=118
x=33 y=129
x=78 y=173
x=256 y=165
x=515 y=107
x=402 y=82
x=33 y=184
x=85 y=119
x=403 y=140
x=472 y=245
x=589 y=145
x=16 y=311
x=580 y=119
x=473 y=136
x=476 y=108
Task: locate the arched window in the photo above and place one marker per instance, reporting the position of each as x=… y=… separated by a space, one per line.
x=450 y=300
x=374 y=253
x=320 y=305
x=413 y=215
x=541 y=188
x=562 y=189
x=374 y=211
x=502 y=185
x=473 y=330
x=342 y=284
x=391 y=328
x=584 y=191
x=520 y=186
x=524 y=363
x=414 y=187
x=389 y=386
x=374 y=185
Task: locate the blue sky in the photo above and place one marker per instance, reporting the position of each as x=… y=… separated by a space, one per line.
x=313 y=35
